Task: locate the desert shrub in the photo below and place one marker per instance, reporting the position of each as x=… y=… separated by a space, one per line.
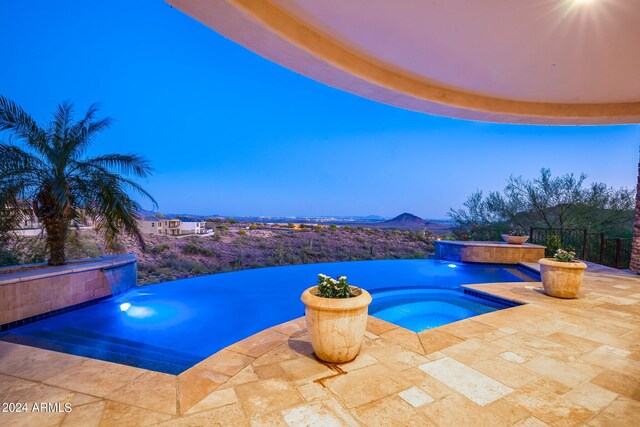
x=241 y=232
x=28 y=250
x=195 y=249
x=82 y=245
x=253 y=227
x=224 y=227
x=191 y=249
x=8 y=256
x=158 y=249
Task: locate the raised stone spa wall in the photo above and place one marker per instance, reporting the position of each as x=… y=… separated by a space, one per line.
x=487 y=252
x=41 y=290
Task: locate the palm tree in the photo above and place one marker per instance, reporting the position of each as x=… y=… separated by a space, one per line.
x=59 y=184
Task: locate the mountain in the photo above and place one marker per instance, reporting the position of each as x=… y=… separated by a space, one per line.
x=405 y=221
x=411 y=222
x=374 y=218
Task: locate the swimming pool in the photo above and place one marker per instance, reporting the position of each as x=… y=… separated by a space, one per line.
x=169 y=327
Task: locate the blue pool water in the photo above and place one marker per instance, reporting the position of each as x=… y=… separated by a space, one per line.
x=169 y=327
x=422 y=309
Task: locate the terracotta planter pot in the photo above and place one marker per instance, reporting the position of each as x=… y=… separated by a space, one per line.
x=336 y=325
x=561 y=279
x=514 y=240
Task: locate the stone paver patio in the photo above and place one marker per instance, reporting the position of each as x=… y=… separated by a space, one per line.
x=548 y=362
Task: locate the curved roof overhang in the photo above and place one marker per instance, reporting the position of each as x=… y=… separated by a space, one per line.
x=554 y=62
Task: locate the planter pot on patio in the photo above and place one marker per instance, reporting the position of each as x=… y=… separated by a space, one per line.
x=336 y=325
x=514 y=240
x=561 y=279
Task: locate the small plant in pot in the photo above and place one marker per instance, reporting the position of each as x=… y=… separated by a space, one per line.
x=336 y=315
x=516 y=236
x=562 y=275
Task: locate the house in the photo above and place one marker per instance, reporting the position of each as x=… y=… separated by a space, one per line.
x=171 y=227
x=28 y=223
x=152 y=224
x=193 y=227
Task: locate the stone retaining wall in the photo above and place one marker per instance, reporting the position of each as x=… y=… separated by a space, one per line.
x=38 y=290
x=487 y=252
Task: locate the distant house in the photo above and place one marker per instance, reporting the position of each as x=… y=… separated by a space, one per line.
x=29 y=222
x=29 y=225
x=193 y=227
x=150 y=225
x=171 y=227
x=163 y=226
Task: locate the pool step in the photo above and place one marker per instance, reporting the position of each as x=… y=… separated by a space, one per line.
x=108 y=349
x=522 y=275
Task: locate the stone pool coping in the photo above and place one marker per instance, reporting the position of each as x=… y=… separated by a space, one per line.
x=548 y=362
x=489 y=244
x=44 y=272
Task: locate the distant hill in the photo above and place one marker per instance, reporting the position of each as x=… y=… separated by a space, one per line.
x=405 y=221
x=411 y=222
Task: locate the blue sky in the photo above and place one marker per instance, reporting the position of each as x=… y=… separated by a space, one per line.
x=231 y=133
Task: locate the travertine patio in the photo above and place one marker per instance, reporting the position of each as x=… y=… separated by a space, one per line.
x=549 y=362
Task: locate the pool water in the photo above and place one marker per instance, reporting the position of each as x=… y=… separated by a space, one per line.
x=169 y=327
x=422 y=309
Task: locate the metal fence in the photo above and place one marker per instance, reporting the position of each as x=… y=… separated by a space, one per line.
x=594 y=247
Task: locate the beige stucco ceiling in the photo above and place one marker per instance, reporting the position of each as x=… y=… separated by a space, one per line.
x=521 y=61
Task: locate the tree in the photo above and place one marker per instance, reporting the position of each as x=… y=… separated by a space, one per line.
x=549 y=202
x=476 y=220
x=50 y=172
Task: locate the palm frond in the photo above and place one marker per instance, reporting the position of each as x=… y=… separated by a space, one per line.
x=128 y=164
x=82 y=135
x=60 y=125
x=20 y=168
x=113 y=210
x=15 y=119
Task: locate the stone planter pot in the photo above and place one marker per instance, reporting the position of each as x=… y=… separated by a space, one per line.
x=514 y=240
x=561 y=279
x=336 y=325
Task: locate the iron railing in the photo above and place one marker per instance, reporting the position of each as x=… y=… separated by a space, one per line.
x=594 y=247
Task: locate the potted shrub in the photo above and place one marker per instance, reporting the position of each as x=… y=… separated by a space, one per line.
x=515 y=237
x=336 y=315
x=562 y=275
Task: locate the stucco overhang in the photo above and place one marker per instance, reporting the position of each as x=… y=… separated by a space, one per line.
x=514 y=61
